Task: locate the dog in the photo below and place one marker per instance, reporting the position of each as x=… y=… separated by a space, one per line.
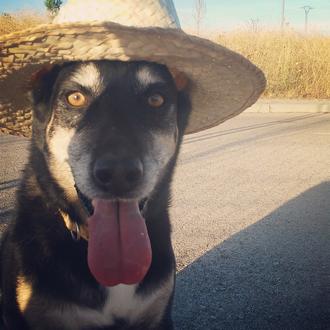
x=90 y=245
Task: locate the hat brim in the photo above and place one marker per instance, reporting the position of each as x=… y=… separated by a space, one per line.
x=223 y=83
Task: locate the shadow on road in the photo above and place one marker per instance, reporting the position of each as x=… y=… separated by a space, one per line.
x=273 y=275
x=243 y=141
x=210 y=135
x=9 y=184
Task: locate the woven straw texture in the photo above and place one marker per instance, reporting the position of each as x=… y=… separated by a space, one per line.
x=145 y=13
x=223 y=83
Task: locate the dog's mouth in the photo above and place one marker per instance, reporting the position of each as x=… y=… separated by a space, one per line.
x=119 y=249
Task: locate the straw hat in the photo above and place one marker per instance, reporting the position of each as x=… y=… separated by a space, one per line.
x=223 y=83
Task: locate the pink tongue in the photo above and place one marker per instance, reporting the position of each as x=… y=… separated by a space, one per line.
x=119 y=248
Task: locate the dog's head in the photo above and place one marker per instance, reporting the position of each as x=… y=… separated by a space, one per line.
x=111 y=131
x=110 y=128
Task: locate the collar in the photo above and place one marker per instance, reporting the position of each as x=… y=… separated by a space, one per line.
x=77 y=231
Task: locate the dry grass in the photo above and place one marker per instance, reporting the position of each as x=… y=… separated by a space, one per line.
x=295 y=66
x=20 y=20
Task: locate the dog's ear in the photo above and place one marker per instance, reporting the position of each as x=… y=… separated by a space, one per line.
x=182 y=84
x=180 y=79
x=42 y=82
x=41 y=86
x=184 y=110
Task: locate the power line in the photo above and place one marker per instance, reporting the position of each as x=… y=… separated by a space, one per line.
x=307 y=9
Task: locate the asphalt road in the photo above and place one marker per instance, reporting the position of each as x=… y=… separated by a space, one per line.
x=251 y=222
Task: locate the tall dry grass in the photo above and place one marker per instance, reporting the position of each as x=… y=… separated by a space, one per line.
x=20 y=20
x=296 y=66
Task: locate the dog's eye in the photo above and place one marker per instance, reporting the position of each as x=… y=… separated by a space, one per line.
x=76 y=99
x=156 y=100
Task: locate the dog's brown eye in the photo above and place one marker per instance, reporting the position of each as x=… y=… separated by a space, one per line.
x=156 y=100
x=77 y=99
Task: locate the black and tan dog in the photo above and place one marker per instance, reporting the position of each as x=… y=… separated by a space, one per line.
x=90 y=245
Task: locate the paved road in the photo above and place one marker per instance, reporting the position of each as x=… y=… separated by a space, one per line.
x=251 y=222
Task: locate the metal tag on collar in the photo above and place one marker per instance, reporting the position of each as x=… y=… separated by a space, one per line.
x=75 y=234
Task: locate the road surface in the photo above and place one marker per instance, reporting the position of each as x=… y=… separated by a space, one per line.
x=251 y=222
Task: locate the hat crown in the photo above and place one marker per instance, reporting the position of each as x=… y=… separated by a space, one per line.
x=139 y=13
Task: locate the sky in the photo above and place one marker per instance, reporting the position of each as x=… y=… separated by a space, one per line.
x=223 y=15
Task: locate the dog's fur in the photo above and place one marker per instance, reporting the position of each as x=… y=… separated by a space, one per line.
x=45 y=279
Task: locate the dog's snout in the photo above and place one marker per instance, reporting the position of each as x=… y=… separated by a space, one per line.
x=117 y=175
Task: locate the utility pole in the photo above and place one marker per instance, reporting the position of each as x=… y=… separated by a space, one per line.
x=283 y=15
x=200 y=10
x=253 y=25
x=307 y=9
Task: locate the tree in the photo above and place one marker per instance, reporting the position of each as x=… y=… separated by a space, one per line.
x=200 y=10
x=53 y=6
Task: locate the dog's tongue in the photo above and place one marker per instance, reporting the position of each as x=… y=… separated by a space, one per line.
x=119 y=248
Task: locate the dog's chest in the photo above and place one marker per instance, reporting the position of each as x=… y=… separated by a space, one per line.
x=122 y=303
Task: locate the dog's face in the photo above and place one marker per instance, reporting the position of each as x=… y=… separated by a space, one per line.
x=110 y=128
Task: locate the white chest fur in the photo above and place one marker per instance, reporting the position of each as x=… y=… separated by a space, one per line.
x=123 y=302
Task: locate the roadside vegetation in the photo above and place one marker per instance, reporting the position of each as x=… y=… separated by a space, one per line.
x=21 y=20
x=296 y=66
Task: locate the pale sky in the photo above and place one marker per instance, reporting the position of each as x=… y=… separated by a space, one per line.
x=222 y=15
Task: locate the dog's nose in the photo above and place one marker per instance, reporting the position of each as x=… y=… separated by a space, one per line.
x=117 y=175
